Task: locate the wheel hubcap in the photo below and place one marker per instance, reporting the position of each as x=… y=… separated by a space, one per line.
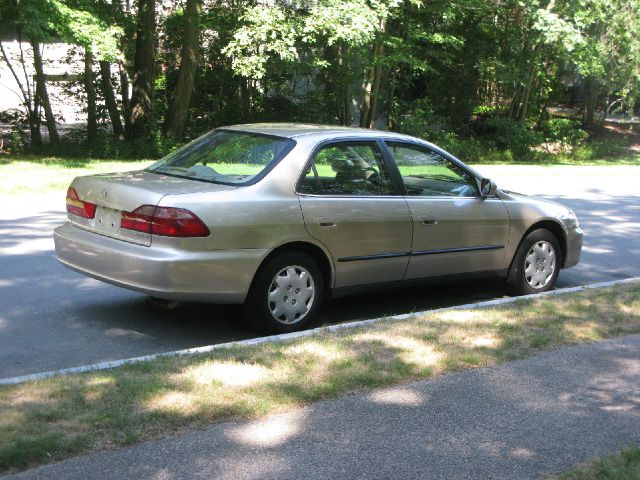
x=291 y=294
x=540 y=264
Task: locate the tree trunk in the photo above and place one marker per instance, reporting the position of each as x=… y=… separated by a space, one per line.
x=243 y=93
x=524 y=108
x=515 y=106
x=589 y=108
x=375 y=88
x=179 y=108
x=543 y=116
x=143 y=71
x=124 y=94
x=347 y=98
x=42 y=97
x=110 y=99
x=90 y=90
x=368 y=108
x=345 y=57
x=366 y=99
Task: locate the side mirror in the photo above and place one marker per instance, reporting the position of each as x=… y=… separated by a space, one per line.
x=487 y=188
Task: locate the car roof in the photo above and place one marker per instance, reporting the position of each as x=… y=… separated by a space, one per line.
x=293 y=130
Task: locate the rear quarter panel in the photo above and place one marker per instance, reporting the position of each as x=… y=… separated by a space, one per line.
x=263 y=216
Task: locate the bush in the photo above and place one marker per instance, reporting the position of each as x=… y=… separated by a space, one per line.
x=420 y=120
x=564 y=130
x=74 y=145
x=15 y=137
x=507 y=134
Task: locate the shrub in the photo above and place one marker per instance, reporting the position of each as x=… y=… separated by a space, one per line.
x=564 y=130
x=74 y=145
x=15 y=137
x=507 y=134
x=420 y=120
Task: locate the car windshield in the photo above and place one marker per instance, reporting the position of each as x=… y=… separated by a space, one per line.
x=223 y=156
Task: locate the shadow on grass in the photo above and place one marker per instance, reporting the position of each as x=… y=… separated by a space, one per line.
x=49 y=420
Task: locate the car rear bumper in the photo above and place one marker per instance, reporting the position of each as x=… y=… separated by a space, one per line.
x=220 y=276
x=574 y=247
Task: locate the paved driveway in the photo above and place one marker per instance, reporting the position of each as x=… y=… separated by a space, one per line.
x=51 y=317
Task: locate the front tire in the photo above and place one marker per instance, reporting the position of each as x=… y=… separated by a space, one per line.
x=286 y=294
x=536 y=264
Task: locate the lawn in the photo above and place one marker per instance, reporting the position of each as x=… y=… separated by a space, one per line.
x=36 y=175
x=32 y=175
x=44 y=421
x=622 y=466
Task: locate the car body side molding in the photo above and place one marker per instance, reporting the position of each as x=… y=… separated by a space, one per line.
x=374 y=257
x=425 y=252
x=459 y=249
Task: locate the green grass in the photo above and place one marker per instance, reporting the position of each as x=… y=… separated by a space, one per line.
x=33 y=175
x=622 y=466
x=607 y=154
x=48 y=420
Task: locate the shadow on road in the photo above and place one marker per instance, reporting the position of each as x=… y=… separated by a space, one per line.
x=51 y=317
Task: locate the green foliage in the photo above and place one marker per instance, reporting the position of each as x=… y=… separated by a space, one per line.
x=625 y=465
x=105 y=146
x=507 y=134
x=16 y=139
x=564 y=130
x=419 y=118
x=473 y=75
x=74 y=21
x=268 y=32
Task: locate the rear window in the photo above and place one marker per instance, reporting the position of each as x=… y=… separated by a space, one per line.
x=223 y=156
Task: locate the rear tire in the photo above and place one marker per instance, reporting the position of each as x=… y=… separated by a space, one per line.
x=536 y=264
x=286 y=294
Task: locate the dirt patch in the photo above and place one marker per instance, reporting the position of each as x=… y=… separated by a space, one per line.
x=627 y=134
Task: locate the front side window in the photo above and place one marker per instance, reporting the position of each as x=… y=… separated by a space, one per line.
x=347 y=168
x=224 y=157
x=427 y=173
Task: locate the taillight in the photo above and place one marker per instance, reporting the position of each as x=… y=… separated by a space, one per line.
x=165 y=221
x=77 y=207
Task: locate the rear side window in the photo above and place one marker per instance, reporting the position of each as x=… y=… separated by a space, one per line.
x=227 y=157
x=347 y=168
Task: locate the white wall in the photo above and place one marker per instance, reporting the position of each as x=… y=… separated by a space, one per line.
x=65 y=107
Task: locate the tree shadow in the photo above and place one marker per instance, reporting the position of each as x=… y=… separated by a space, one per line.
x=518 y=420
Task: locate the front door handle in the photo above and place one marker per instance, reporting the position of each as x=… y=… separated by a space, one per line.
x=427 y=221
x=324 y=222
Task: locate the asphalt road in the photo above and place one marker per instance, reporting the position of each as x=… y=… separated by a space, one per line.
x=521 y=420
x=52 y=318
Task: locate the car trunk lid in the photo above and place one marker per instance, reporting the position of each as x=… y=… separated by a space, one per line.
x=117 y=192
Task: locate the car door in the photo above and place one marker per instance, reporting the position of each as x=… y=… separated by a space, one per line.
x=351 y=205
x=456 y=230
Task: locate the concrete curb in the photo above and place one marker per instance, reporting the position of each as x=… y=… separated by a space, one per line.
x=305 y=333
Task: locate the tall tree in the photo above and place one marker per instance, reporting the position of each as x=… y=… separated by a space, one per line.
x=110 y=99
x=373 y=82
x=179 y=107
x=42 y=95
x=90 y=90
x=140 y=107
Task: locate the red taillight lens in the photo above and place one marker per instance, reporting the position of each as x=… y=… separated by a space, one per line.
x=165 y=221
x=77 y=207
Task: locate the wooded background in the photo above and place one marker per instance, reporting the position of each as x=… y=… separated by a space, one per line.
x=157 y=73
